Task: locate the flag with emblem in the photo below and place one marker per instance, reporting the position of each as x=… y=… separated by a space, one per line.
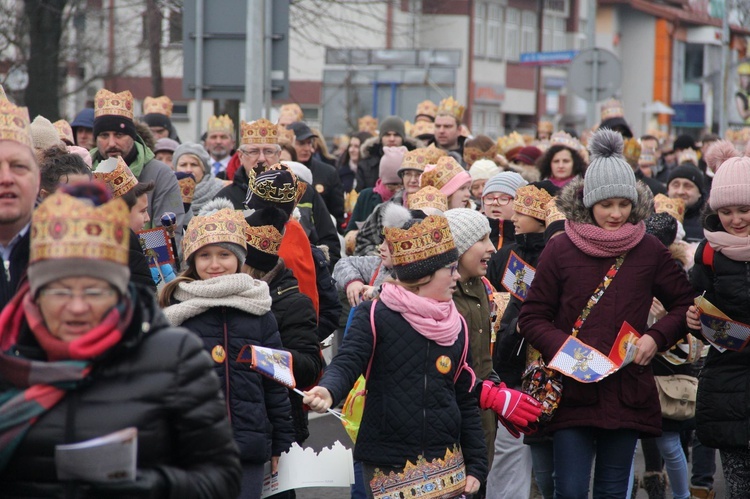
x=622 y=353
x=724 y=334
x=582 y=362
x=276 y=364
x=156 y=246
x=518 y=276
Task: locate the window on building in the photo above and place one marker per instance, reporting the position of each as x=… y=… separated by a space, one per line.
x=529 y=37
x=494 y=30
x=693 y=87
x=174 y=17
x=512 y=34
x=480 y=16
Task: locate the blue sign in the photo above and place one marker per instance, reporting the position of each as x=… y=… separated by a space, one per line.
x=545 y=58
x=689 y=115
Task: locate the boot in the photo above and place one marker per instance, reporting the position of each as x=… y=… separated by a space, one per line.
x=655 y=483
x=701 y=493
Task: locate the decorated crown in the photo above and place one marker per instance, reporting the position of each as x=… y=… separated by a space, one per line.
x=259 y=131
x=648 y=156
x=422 y=127
x=301 y=187
x=115 y=173
x=158 y=105
x=65 y=131
x=426 y=111
x=428 y=197
x=265 y=238
x=221 y=123
x=687 y=156
x=269 y=187
x=108 y=103
x=631 y=150
x=451 y=107
x=286 y=136
x=2 y=93
x=553 y=213
x=14 y=123
x=673 y=206
x=415 y=160
x=545 y=126
x=293 y=110
x=368 y=124
x=473 y=154
x=442 y=173
x=565 y=139
x=612 y=108
x=509 y=142
x=187 y=188
x=433 y=154
x=421 y=249
x=222 y=226
x=64 y=227
x=532 y=201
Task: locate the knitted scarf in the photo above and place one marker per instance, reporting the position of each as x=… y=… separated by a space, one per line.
x=33 y=387
x=598 y=242
x=205 y=191
x=238 y=291
x=733 y=247
x=385 y=193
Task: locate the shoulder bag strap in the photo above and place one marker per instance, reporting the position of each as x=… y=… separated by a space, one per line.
x=608 y=277
x=374 y=337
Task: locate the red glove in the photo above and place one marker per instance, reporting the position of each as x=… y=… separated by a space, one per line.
x=516 y=407
x=516 y=431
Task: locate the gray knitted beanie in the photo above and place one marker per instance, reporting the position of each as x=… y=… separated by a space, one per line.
x=193 y=149
x=608 y=175
x=467 y=226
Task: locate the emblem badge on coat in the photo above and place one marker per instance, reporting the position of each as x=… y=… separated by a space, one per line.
x=320 y=188
x=443 y=364
x=218 y=354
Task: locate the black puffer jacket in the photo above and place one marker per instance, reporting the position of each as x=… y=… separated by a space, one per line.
x=258 y=408
x=723 y=408
x=329 y=306
x=14 y=270
x=158 y=379
x=139 y=269
x=412 y=409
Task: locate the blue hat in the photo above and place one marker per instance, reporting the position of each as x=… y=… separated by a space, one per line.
x=85 y=118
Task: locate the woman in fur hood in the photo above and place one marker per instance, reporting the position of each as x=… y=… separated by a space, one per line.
x=604 y=235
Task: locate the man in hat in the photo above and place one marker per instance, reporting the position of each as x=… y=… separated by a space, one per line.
x=447 y=127
x=391 y=134
x=326 y=179
x=115 y=135
x=686 y=182
x=220 y=142
x=83 y=128
x=19 y=185
x=157 y=114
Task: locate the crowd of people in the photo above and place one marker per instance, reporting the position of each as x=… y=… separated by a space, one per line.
x=456 y=267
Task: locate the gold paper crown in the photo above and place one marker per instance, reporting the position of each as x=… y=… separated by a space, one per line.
x=687 y=156
x=442 y=173
x=422 y=128
x=65 y=131
x=648 y=156
x=553 y=213
x=259 y=131
x=293 y=110
x=546 y=126
x=223 y=226
x=2 y=93
x=509 y=142
x=286 y=136
x=415 y=160
x=264 y=238
x=631 y=150
x=451 y=107
x=108 y=103
x=64 y=227
x=426 y=111
x=428 y=238
x=612 y=108
x=532 y=201
x=115 y=173
x=187 y=189
x=221 y=123
x=428 y=197
x=15 y=124
x=473 y=154
x=408 y=128
x=368 y=124
x=673 y=206
x=565 y=139
x=158 y=105
x=433 y=154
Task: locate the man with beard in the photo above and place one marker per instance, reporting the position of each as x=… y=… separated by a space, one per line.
x=115 y=135
x=220 y=143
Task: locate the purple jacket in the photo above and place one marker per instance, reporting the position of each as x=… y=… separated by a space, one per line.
x=565 y=279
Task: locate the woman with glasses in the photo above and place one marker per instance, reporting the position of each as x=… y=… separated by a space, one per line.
x=84 y=353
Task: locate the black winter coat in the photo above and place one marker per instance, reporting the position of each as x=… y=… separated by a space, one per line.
x=327 y=184
x=329 y=306
x=412 y=409
x=140 y=273
x=502 y=233
x=158 y=379
x=723 y=407
x=14 y=270
x=368 y=166
x=258 y=407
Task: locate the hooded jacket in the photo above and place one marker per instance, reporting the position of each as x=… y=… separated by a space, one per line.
x=566 y=277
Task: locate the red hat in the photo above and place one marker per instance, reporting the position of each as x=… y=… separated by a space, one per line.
x=528 y=155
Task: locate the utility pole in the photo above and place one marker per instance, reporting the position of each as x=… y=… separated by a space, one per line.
x=724 y=74
x=255 y=59
x=591 y=39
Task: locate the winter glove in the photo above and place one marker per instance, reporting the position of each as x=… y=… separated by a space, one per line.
x=166 y=270
x=516 y=431
x=516 y=407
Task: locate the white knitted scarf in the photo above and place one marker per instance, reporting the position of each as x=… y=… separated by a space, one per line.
x=238 y=291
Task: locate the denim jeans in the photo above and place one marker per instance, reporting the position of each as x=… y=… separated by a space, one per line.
x=574 y=451
x=675 y=463
x=704 y=465
x=543 y=465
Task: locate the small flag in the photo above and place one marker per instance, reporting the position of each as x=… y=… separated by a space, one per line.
x=156 y=246
x=725 y=334
x=622 y=350
x=518 y=276
x=581 y=362
x=276 y=364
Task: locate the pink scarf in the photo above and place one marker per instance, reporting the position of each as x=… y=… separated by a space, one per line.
x=733 y=247
x=384 y=191
x=598 y=242
x=438 y=321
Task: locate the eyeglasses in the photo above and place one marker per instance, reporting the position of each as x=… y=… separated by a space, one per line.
x=499 y=200
x=453 y=268
x=92 y=296
x=256 y=152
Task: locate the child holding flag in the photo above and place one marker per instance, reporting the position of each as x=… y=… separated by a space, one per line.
x=721 y=274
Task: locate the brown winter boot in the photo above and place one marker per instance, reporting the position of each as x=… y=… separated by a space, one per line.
x=655 y=484
x=701 y=493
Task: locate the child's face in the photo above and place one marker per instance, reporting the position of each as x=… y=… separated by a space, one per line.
x=735 y=220
x=139 y=213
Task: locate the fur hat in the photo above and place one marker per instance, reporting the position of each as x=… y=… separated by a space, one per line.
x=422 y=249
x=468 y=227
x=608 y=175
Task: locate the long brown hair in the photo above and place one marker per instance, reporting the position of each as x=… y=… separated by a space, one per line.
x=190 y=274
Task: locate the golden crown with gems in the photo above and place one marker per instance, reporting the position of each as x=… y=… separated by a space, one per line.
x=158 y=105
x=532 y=201
x=222 y=226
x=428 y=197
x=553 y=213
x=451 y=107
x=187 y=188
x=108 y=103
x=612 y=108
x=426 y=110
x=259 y=131
x=65 y=131
x=292 y=110
x=442 y=173
x=221 y=123
x=15 y=124
x=368 y=124
x=428 y=238
x=565 y=139
x=265 y=238
x=673 y=206
x=115 y=173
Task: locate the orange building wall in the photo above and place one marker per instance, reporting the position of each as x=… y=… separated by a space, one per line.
x=663 y=66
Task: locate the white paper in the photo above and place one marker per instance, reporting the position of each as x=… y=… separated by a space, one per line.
x=107 y=459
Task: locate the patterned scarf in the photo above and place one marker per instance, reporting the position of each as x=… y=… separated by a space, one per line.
x=32 y=387
x=602 y=243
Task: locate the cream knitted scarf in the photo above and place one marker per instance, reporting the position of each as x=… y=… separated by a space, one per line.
x=238 y=291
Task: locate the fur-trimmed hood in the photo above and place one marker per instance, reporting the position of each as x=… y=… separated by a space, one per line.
x=570 y=202
x=373 y=146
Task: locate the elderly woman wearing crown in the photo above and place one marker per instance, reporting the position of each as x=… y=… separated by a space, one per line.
x=84 y=354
